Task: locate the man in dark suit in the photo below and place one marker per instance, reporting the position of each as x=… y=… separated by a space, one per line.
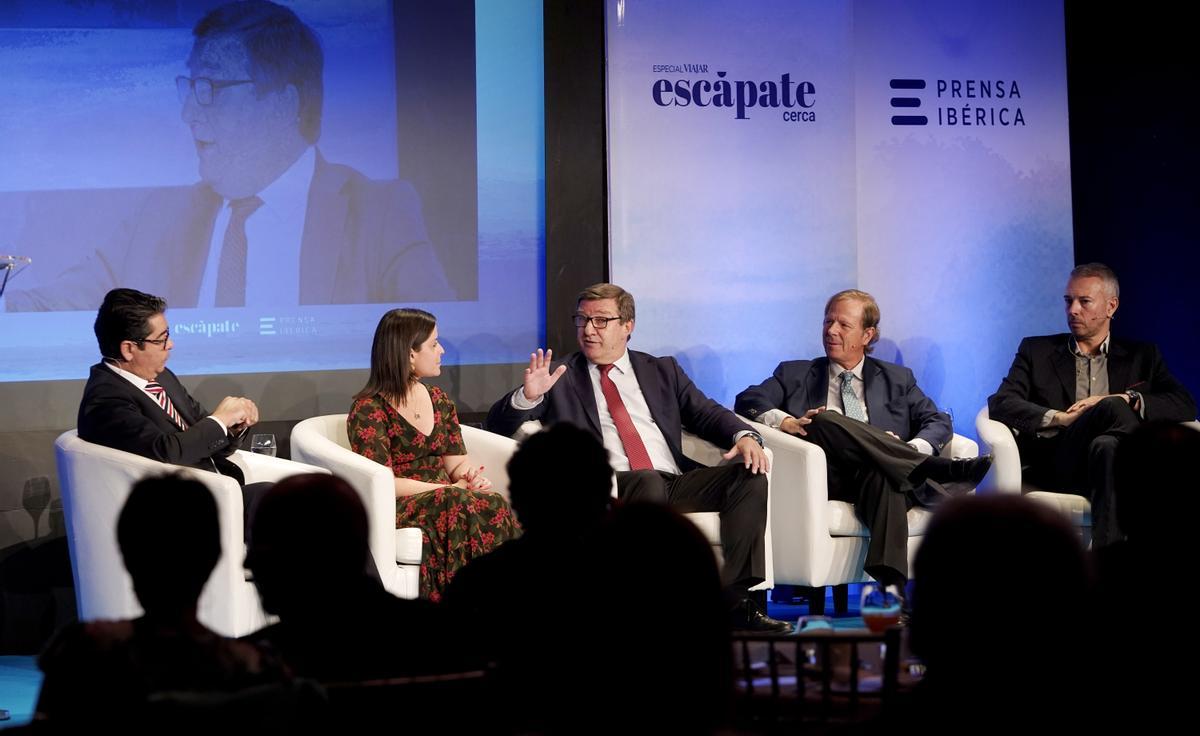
x=882 y=449
x=133 y=402
x=1071 y=398
x=637 y=405
x=271 y=223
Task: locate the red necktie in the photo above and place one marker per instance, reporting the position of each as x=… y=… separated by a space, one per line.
x=639 y=459
x=159 y=394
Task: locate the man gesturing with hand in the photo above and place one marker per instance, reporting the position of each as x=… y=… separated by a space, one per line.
x=638 y=405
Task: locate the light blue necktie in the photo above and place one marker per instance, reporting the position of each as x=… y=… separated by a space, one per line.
x=850 y=403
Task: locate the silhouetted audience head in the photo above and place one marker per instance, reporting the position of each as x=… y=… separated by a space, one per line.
x=1155 y=470
x=674 y=673
x=1000 y=605
x=309 y=535
x=170 y=540
x=559 y=479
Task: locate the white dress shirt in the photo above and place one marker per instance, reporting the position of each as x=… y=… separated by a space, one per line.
x=274 y=233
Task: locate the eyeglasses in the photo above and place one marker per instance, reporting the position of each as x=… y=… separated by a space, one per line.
x=598 y=322
x=161 y=341
x=204 y=88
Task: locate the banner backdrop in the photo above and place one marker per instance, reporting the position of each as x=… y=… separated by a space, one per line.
x=766 y=155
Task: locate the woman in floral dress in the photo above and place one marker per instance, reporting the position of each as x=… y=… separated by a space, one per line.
x=413 y=429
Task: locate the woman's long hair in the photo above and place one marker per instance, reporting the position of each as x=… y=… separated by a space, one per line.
x=400 y=331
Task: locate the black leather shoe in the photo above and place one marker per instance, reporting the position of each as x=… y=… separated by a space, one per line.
x=747 y=616
x=969 y=470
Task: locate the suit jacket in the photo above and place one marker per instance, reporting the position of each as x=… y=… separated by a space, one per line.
x=1042 y=377
x=674 y=401
x=894 y=401
x=114 y=413
x=364 y=242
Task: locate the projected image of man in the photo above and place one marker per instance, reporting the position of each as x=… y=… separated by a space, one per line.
x=271 y=223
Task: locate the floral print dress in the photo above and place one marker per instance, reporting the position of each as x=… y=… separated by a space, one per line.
x=456 y=524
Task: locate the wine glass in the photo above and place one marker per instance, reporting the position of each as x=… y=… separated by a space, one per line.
x=264 y=444
x=35 y=498
x=880 y=606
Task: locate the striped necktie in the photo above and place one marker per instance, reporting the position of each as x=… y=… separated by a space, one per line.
x=159 y=394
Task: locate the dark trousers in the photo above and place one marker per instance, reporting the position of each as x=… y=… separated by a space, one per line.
x=252 y=493
x=737 y=494
x=1079 y=459
x=870 y=469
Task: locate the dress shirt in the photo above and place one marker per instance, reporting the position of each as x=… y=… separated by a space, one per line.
x=274 y=233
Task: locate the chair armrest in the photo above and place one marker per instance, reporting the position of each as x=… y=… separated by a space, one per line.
x=492 y=451
x=527 y=430
x=259 y=468
x=374 y=483
x=1005 y=475
x=802 y=547
x=701 y=450
x=960 y=446
x=706 y=453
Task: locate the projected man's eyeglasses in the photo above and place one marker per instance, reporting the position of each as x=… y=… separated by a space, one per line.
x=204 y=88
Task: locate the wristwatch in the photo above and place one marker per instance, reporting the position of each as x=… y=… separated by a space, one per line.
x=757 y=438
x=1134 y=398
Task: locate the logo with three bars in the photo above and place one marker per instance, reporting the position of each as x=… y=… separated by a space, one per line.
x=900 y=86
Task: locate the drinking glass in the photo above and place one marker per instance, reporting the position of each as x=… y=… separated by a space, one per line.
x=264 y=444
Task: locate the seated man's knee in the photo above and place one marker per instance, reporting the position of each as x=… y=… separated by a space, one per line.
x=750 y=486
x=1105 y=444
x=1114 y=407
x=824 y=422
x=642 y=485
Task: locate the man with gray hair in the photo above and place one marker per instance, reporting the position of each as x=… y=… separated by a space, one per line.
x=1070 y=398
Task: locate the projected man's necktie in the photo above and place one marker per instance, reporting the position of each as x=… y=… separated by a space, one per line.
x=231 y=273
x=635 y=449
x=850 y=403
x=160 y=395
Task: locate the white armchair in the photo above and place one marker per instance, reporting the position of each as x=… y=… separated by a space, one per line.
x=323 y=441
x=95 y=482
x=817 y=541
x=1006 y=475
